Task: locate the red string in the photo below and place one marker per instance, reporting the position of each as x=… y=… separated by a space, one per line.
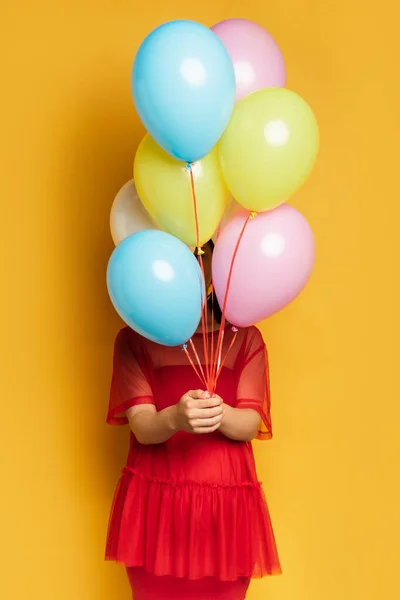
x=212 y=368
x=204 y=313
x=216 y=366
x=199 y=375
x=204 y=323
x=198 y=361
x=222 y=362
x=218 y=357
x=196 y=216
x=211 y=384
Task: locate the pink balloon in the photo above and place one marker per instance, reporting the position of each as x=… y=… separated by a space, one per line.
x=255 y=54
x=273 y=264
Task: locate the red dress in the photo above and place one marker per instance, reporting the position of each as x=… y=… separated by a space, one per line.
x=191 y=508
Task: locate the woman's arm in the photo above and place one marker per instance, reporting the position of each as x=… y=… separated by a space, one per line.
x=241 y=424
x=196 y=412
x=150 y=426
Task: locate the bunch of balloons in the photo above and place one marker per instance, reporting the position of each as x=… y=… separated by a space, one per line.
x=227 y=145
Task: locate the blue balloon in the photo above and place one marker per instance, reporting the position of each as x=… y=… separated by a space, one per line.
x=183 y=84
x=156 y=286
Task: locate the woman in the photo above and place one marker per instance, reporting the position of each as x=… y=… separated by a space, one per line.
x=189 y=518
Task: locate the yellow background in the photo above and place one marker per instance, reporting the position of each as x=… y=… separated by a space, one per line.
x=68 y=136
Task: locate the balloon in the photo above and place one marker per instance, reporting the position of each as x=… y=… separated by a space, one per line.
x=156 y=286
x=272 y=266
x=128 y=215
x=256 y=57
x=164 y=185
x=183 y=85
x=269 y=148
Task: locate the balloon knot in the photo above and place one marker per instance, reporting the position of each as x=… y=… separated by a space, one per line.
x=199 y=251
x=253 y=215
x=189 y=166
x=235 y=329
x=184 y=347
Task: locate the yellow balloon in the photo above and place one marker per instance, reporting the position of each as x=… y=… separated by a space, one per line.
x=269 y=148
x=164 y=186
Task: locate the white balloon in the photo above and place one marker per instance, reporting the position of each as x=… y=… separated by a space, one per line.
x=128 y=215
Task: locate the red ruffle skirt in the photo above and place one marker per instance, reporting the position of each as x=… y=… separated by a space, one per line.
x=191 y=530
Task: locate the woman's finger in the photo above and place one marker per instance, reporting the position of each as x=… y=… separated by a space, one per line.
x=198 y=394
x=201 y=423
x=208 y=403
x=205 y=413
x=202 y=430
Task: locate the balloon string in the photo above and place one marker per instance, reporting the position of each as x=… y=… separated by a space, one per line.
x=198 y=361
x=204 y=326
x=211 y=383
x=213 y=357
x=219 y=355
x=200 y=252
x=200 y=375
x=217 y=366
x=222 y=362
x=196 y=216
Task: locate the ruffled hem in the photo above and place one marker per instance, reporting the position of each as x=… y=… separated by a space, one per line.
x=191 y=529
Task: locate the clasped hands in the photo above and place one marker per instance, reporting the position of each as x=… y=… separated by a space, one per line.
x=199 y=412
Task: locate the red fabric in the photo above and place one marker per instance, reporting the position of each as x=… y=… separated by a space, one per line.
x=146 y=586
x=191 y=507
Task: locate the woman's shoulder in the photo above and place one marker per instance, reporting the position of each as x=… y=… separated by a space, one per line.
x=126 y=335
x=250 y=342
x=253 y=335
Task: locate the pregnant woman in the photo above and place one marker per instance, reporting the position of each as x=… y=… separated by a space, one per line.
x=189 y=518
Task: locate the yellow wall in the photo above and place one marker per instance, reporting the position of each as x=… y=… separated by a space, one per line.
x=69 y=133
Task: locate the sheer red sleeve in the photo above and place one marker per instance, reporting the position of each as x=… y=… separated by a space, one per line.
x=253 y=390
x=130 y=385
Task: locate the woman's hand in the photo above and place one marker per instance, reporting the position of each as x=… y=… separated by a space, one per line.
x=198 y=412
x=240 y=424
